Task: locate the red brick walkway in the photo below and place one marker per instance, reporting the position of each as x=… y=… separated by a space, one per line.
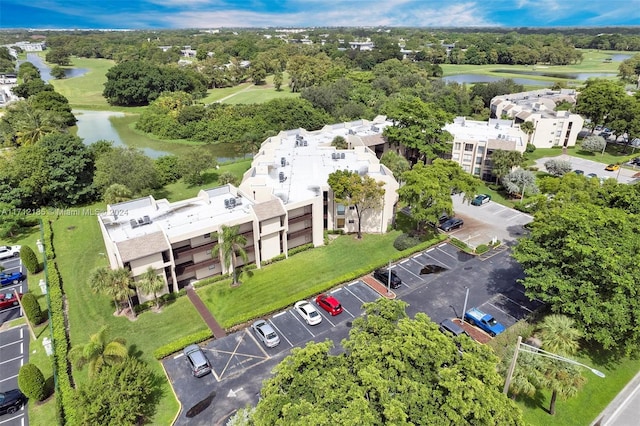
x=218 y=332
x=379 y=288
x=476 y=334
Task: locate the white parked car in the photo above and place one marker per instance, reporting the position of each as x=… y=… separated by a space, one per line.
x=7 y=252
x=308 y=312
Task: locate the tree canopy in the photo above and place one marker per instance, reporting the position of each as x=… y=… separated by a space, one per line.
x=395 y=370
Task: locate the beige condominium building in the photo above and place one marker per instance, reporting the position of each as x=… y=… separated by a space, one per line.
x=475 y=141
x=283 y=202
x=551 y=127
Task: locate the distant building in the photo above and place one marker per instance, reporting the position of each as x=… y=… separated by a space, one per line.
x=283 y=202
x=475 y=141
x=552 y=128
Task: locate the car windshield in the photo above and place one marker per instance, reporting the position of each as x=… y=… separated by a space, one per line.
x=271 y=335
x=492 y=321
x=313 y=314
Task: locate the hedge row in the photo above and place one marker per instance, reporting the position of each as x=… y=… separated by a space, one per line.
x=48 y=240
x=65 y=392
x=180 y=344
x=322 y=287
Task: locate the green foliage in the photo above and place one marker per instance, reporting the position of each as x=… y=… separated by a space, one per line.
x=520 y=181
x=396 y=163
x=557 y=167
x=29 y=259
x=99 y=352
x=32 y=308
x=405 y=241
x=228 y=178
x=598 y=98
x=168 y=169
x=193 y=164
x=180 y=344
x=482 y=248
x=123 y=394
x=31 y=382
x=57 y=72
x=530 y=148
x=117 y=193
x=595 y=143
x=58 y=56
x=128 y=167
x=230 y=245
x=488 y=91
x=427 y=189
x=48 y=240
x=339 y=142
x=386 y=355
x=503 y=162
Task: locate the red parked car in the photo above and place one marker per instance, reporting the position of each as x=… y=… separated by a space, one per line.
x=8 y=300
x=329 y=304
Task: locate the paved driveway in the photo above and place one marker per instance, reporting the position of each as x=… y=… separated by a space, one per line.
x=434 y=282
x=13 y=265
x=14 y=353
x=623 y=175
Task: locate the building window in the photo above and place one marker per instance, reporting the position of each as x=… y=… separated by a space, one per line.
x=455 y=157
x=340 y=209
x=468 y=147
x=456 y=146
x=352 y=207
x=352 y=221
x=480 y=150
x=478 y=160
x=476 y=171
x=206 y=236
x=467 y=157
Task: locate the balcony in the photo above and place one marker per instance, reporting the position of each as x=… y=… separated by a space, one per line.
x=183 y=252
x=300 y=218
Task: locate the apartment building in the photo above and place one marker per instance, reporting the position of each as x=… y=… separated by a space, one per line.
x=475 y=141
x=283 y=202
x=551 y=128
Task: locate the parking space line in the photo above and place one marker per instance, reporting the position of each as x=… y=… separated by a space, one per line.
x=506 y=313
x=442 y=245
x=438 y=261
x=257 y=343
x=356 y=296
x=18 y=416
x=8 y=378
x=525 y=294
x=516 y=303
x=12 y=343
x=430 y=250
x=450 y=255
x=345 y=309
x=296 y=316
x=407 y=269
x=180 y=355
x=325 y=316
x=9 y=360
x=235 y=351
x=279 y=314
x=282 y=334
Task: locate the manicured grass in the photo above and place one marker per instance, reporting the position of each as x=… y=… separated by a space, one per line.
x=260 y=94
x=596 y=394
x=86 y=91
x=298 y=277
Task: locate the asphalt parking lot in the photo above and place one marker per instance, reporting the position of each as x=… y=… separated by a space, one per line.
x=240 y=363
x=622 y=175
x=14 y=353
x=12 y=265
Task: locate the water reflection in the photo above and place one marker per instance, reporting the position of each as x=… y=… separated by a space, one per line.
x=45 y=71
x=569 y=76
x=619 y=57
x=479 y=78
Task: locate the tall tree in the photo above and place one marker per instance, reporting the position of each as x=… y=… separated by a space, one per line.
x=528 y=128
x=151 y=283
x=521 y=182
x=427 y=189
x=362 y=192
x=230 y=245
x=32 y=123
x=418 y=126
x=503 y=162
x=396 y=163
x=128 y=167
x=194 y=163
x=99 y=352
x=597 y=99
x=394 y=370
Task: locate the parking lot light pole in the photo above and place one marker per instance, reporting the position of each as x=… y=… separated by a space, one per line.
x=539 y=352
x=464 y=309
x=389 y=278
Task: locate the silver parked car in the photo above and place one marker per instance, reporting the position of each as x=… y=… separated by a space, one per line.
x=197 y=361
x=266 y=333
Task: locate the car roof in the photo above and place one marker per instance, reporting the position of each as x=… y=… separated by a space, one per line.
x=452 y=326
x=265 y=326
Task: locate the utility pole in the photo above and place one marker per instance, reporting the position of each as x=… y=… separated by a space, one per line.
x=512 y=367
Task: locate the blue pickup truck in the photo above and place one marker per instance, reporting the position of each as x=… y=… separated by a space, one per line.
x=12 y=278
x=486 y=322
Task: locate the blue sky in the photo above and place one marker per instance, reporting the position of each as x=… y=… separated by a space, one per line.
x=158 y=14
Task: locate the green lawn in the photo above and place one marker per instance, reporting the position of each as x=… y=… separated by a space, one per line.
x=86 y=91
x=305 y=274
x=590 y=401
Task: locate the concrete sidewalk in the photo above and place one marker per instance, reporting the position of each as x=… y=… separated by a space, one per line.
x=218 y=332
x=625 y=407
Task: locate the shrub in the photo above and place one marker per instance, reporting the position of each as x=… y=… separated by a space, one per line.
x=530 y=147
x=180 y=344
x=405 y=241
x=48 y=240
x=31 y=382
x=482 y=248
x=30 y=260
x=32 y=308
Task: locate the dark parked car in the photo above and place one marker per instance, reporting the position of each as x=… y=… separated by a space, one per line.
x=481 y=199
x=449 y=327
x=11 y=401
x=635 y=161
x=453 y=223
x=382 y=275
x=197 y=361
x=10 y=278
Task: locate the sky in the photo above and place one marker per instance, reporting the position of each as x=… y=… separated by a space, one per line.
x=166 y=14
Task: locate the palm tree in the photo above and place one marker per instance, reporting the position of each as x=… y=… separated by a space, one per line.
x=528 y=128
x=34 y=123
x=121 y=280
x=560 y=337
x=151 y=282
x=230 y=245
x=99 y=352
x=100 y=282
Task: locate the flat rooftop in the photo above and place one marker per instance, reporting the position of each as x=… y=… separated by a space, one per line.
x=202 y=213
x=480 y=131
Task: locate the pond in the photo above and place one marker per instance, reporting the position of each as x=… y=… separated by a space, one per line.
x=45 y=70
x=117 y=127
x=569 y=76
x=479 y=78
x=619 y=57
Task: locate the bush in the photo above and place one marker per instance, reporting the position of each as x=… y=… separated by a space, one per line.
x=32 y=308
x=30 y=260
x=48 y=240
x=405 y=241
x=530 y=147
x=180 y=344
x=31 y=382
x=482 y=248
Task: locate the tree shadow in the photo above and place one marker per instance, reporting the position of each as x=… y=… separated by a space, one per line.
x=135 y=352
x=537 y=400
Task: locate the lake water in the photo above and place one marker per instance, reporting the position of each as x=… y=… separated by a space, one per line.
x=96 y=125
x=45 y=71
x=569 y=76
x=619 y=57
x=479 y=78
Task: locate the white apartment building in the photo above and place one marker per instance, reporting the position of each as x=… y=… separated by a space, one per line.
x=283 y=202
x=552 y=128
x=475 y=141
